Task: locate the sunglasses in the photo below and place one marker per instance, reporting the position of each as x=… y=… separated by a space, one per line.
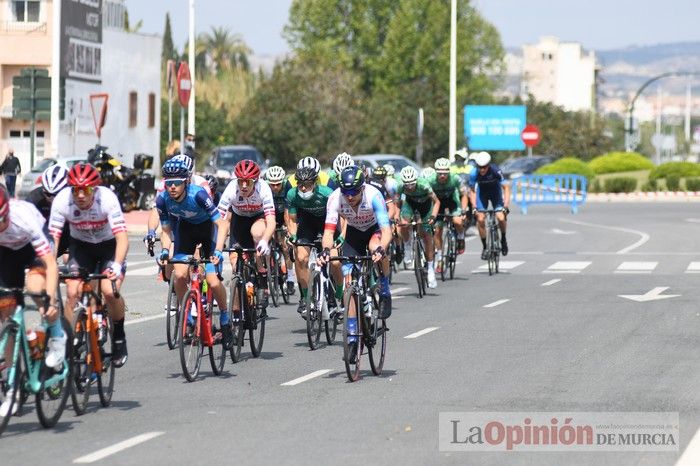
x=350 y=192
x=246 y=182
x=307 y=184
x=86 y=190
x=176 y=183
x=410 y=185
x=275 y=185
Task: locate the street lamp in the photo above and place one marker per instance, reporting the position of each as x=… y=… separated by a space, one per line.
x=453 y=81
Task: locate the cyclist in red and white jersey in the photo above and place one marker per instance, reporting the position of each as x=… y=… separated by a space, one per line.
x=98 y=242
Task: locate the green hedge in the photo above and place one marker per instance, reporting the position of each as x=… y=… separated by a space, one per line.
x=673 y=182
x=620 y=184
x=567 y=165
x=650 y=186
x=680 y=169
x=615 y=162
x=692 y=184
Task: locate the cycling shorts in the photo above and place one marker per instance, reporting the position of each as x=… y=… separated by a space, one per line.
x=240 y=230
x=13 y=264
x=309 y=227
x=189 y=235
x=357 y=242
x=95 y=257
x=484 y=196
x=424 y=209
x=451 y=205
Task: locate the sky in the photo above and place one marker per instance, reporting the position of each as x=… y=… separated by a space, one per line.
x=596 y=24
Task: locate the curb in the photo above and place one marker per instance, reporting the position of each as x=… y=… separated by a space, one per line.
x=657 y=196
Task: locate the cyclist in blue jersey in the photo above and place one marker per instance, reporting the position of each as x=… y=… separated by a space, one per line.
x=487 y=183
x=198 y=222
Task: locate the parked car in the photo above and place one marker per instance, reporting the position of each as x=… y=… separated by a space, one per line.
x=515 y=167
x=397 y=161
x=224 y=158
x=33 y=179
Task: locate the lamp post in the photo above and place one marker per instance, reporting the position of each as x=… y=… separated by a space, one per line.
x=453 y=81
x=190 y=107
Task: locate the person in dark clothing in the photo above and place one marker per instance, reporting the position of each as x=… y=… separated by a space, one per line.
x=11 y=168
x=53 y=180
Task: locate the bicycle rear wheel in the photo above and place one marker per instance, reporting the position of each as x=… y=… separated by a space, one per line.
x=418 y=266
x=83 y=366
x=352 y=364
x=283 y=283
x=376 y=349
x=495 y=246
x=51 y=399
x=331 y=324
x=256 y=329
x=105 y=379
x=236 y=296
x=217 y=351
x=273 y=277
x=445 y=260
x=8 y=336
x=172 y=314
x=313 y=311
x=191 y=349
x=453 y=254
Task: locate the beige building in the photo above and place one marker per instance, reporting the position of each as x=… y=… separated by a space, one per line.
x=561 y=73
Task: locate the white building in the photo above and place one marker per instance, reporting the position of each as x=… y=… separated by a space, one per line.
x=561 y=73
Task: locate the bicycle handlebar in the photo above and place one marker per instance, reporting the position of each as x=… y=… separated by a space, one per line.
x=149 y=246
x=191 y=260
x=239 y=249
x=83 y=274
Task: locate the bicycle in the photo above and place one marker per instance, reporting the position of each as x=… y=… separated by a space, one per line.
x=93 y=342
x=362 y=297
x=493 y=241
x=321 y=305
x=420 y=263
x=243 y=290
x=172 y=310
x=197 y=303
x=277 y=279
x=449 y=247
x=26 y=372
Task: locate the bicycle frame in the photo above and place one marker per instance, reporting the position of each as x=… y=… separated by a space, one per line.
x=203 y=329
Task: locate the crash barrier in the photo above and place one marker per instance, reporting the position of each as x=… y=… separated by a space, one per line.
x=549 y=189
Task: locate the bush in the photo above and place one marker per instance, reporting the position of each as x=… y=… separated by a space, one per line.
x=615 y=162
x=681 y=169
x=650 y=186
x=673 y=182
x=595 y=186
x=567 y=165
x=620 y=184
x=692 y=184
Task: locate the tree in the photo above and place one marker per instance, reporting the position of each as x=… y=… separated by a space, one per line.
x=127 y=27
x=169 y=52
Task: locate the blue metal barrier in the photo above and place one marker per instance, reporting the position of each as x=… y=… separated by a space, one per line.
x=548 y=189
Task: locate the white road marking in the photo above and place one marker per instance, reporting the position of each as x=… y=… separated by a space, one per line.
x=145 y=272
x=135 y=263
x=421 y=333
x=551 y=282
x=399 y=290
x=144 y=319
x=117 y=447
x=306 y=377
x=397 y=297
x=693 y=220
x=502 y=265
x=636 y=267
x=557 y=231
x=644 y=237
x=693 y=267
x=691 y=455
x=497 y=303
x=652 y=295
x=567 y=267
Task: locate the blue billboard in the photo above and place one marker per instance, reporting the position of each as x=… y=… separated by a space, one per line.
x=494 y=127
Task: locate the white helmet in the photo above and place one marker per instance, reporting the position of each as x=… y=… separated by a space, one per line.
x=463 y=153
x=442 y=165
x=341 y=162
x=427 y=172
x=482 y=159
x=275 y=174
x=409 y=174
x=186 y=160
x=390 y=170
x=54 y=179
x=310 y=162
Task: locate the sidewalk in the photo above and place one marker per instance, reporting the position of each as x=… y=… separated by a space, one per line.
x=137 y=221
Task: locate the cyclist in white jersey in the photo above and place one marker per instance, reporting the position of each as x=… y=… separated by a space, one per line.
x=98 y=242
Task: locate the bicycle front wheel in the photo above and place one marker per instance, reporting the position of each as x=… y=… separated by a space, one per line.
x=9 y=389
x=352 y=342
x=172 y=315
x=217 y=351
x=256 y=329
x=377 y=350
x=83 y=365
x=331 y=324
x=236 y=298
x=418 y=266
x=191 y=349
x=273 y=277
x=105 y=379
x=313 y=311
x=453 y=254
x=51 y=399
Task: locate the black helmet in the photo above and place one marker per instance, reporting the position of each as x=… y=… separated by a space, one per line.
x=306 y=174
x=379 y=172
x=213 y=183
x=351 y=178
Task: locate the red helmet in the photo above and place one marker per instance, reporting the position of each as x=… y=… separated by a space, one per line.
x=246 y=170
x=83 y=175
x=4 y=201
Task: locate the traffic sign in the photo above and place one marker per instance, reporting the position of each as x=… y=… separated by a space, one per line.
x=184 y=84
x=531 y=135
x=98 y=105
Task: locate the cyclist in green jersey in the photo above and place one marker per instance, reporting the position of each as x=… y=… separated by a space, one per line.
x=453 y=198
x=418 y=198
x=340 y=163
x=306 y=209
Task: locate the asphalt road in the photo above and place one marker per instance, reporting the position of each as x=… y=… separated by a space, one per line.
x=549 y=334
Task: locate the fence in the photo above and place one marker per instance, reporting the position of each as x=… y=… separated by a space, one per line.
x=549 y=189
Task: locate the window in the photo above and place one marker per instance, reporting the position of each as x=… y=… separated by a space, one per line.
x=25 y=11
x=151 y=110
x=15 y=134
x=133 y=109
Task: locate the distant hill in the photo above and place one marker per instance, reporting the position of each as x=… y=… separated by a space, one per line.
x=647 y=54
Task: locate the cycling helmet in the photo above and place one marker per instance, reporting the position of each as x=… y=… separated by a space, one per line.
x=275 y=174
x=309 y=162
x=482 y=159
x=342 y=161
x=213 y=183
x=186 y=160
x=246 y=170
x=409 y=174
x=351 y=178
x=84 y=175
x=427 y=172
x=305 y=174
x=442 y=165
x=4 y=200
x=379 y=172
x=390 y=170
x=54 y=179
x=175 y=168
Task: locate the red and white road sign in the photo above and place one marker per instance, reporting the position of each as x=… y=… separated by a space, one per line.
x=184 y=84
x=98 y=106
x=531 y=135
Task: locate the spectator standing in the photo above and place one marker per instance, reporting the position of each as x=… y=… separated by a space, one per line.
x=11 y=168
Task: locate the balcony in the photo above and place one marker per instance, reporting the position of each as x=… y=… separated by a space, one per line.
x=21 y=27
x=6 y=112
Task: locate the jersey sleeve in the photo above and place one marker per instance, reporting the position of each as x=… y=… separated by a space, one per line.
x=227 y=197
x=35 y=225
x=115 y=216
x=57 y=218
x=203 y=200
x=162 y=209
x=268 y=201
x=380 y=211
x=332 y=211
x=472 y=178
x=291 y=201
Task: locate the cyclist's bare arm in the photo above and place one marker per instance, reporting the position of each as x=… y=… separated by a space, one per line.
x=153 y=219
x=291 y=223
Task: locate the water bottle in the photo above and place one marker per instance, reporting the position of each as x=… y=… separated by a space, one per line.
x=368 y=306
x=193 y=310
x=100 y=324
x=204 y=301
x=250 y=291
x=33 y=344
x=40 y=331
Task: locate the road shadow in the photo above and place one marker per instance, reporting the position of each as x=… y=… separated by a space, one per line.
x=364 y=373
x=26 y=424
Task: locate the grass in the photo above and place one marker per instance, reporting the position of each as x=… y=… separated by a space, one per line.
x=642 y=176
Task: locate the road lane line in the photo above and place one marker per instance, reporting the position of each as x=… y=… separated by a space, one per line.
x=313 y=375
x=691 y=455
x=421 y=333
x=567 y=267
x=693 y=267
x=397 y=297
x=644 y=237
x=399 y=290
x=117 y=447
x=497 y=303
x=144 y=319
x=503 y=265
x=551 y=282
x=636 y=267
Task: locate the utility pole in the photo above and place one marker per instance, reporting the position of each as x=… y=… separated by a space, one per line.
x=190 y=107
x=453 y=81
x=55 y=85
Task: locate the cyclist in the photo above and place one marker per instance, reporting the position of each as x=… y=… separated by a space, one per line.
x=368 y=228
x=323 y=177
x=418 y=198
x=379 y=179
x=53 y=180
x=306 y=208
x=427 y=173
x=489 y=184
x=340 y=163
x=189 y=217
x=275 y=177
x=98 y=242
x=252 y=218
x=453 y=198
x=213 y=188
x=391 y=183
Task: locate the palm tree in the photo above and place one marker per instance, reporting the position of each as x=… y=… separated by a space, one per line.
x=225 y=50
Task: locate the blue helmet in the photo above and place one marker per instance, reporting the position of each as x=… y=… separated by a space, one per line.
x=351 y=178
x=174 y=168
x=185 y=160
